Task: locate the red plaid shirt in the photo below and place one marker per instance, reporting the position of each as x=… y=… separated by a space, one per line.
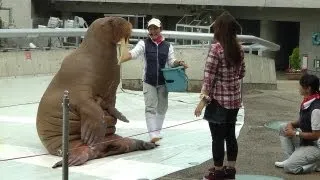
x=222 y=83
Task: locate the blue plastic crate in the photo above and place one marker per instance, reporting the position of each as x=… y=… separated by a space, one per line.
x=176 y=79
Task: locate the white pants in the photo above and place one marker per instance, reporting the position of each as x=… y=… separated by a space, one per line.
x=156 y=106
x=299 y=159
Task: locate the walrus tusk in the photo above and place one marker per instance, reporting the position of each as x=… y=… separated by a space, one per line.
x=123 y=50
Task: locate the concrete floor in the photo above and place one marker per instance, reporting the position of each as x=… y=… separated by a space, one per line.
x=259 y=146
x=183 y=146
x=184 y=153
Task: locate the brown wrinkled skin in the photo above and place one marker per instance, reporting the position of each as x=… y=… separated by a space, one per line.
x=91 y=74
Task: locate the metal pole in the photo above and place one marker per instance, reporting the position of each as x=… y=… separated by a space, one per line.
x=65 y=136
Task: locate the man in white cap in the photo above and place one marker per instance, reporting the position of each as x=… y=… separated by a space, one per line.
x=157 y=53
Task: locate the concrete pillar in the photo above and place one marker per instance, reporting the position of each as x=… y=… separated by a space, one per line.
x=268 y=31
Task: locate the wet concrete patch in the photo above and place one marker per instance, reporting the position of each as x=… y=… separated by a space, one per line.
x=274 y=125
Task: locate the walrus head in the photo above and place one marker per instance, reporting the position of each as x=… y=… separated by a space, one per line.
x=119 y=27
x=121 y=30
x=109 y=31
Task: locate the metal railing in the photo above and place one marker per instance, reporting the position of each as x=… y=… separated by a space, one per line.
x=80 y=32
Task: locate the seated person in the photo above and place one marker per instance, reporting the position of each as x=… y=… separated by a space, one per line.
x=300 y=139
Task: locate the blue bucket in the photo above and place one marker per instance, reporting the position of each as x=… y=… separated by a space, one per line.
x=176 y=79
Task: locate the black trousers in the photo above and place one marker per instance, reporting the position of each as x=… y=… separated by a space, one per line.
x=221 y=133
x=222 y=123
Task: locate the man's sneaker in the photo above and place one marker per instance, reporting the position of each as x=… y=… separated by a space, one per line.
x=280 y=164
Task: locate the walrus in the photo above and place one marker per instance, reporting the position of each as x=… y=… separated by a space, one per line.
x=91 y=74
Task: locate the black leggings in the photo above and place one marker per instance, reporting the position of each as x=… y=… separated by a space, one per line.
x=219 y=133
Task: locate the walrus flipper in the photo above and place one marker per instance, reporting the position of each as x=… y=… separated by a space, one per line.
x=77 y=156
x=111 y=109
x=117 y=114
x=93 y=125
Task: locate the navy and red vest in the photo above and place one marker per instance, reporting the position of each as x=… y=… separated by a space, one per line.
x=305 y=121
x=156 y=57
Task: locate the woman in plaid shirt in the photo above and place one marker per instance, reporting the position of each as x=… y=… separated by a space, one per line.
x=221 y=95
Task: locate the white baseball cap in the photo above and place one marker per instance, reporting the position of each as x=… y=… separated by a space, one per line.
x=155 y=22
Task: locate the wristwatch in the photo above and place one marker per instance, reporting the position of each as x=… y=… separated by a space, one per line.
x=297 y=133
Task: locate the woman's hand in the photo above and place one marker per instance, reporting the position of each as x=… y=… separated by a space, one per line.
x=182 y=63
x=290 y=132
x=199 y=108
x=289 y=126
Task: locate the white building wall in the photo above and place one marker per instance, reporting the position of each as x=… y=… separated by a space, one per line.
x=307 y=28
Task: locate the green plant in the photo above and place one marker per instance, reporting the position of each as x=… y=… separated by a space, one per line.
x=295 y=60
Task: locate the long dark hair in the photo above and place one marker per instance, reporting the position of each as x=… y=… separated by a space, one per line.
x=225 y=32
